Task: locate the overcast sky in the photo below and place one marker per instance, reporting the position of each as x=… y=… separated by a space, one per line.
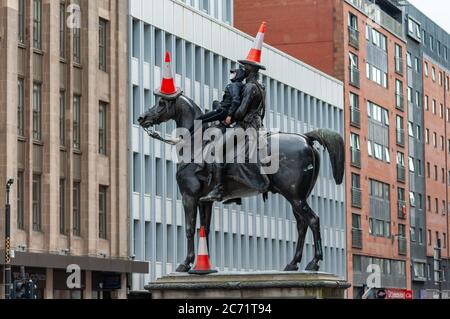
x=437 y=10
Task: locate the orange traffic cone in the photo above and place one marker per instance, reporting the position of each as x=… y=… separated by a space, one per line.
x=254 y=57
x=203 y=266
x=168 y=89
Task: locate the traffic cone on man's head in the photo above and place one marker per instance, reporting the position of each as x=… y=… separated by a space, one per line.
x=203 y=266
x=254 y=57
x=168 y=89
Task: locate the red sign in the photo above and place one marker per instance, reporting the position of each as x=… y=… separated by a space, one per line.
x=399 y=294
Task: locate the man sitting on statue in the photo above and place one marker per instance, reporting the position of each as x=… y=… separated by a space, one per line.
x=224 y=111
x=249 y=115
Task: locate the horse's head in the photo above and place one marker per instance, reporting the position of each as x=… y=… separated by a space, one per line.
x=163 y=111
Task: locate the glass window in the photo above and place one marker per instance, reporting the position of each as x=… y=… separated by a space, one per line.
x=102 y=44
x=77 y=45
x=353 y=21
x=37 y=112
x=353 y=59
x=102 y=118
x=20 y=201
x=357 y=264
x=76 y=123
x=37 y=218
x=76 y=209
x=37 y=20
x=356 y=221
x=409 y=59
x=21 y=21
x=62 y=29
x=20 y=107
x=102 y=204
x=62 y=118
x=62 y=206
x=354 y=139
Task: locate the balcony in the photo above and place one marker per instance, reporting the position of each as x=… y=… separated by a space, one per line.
x=355 y=157
x=401 y=174
x=356 y=198
x=354 y=77
x=399 y=102
x=353 y=37
x=401 y=137
x=379 y=16
x=399 y=65
x=401 y=209
x=357 y=238
x=402 y=246
x=355 y=117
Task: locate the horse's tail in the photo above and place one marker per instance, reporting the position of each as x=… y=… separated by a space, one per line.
x=335 y=145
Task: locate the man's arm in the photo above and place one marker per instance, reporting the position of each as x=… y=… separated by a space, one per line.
x=246 y=100
x=235 y=92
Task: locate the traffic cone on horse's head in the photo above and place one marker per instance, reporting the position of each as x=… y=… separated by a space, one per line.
x=203 y=266
x=168 y=89
x=254 y=57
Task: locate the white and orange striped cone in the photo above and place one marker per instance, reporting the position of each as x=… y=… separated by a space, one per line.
x=254 y=57
x=203 y=265
x=168 y=89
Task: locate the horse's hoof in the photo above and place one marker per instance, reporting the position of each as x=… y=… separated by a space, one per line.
x=291 y=268
x=313 y=266
x=183 y=268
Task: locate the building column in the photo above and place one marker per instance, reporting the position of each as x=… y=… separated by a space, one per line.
x=122 y=293
x=87 y=293
x=48 y=292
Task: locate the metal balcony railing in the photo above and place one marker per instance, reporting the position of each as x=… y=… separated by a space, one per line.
x=355 y=157
x=401 y=173
x=379 y=16
x=401 y=209
x=402 y=246
x=354 y=77
x=401 y=137
x=353 y=37
x=356 y=197
x=399 y=101
x=399 y=65
x=357 y=238
x=355 y=117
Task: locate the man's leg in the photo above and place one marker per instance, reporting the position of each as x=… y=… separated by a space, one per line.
x=216 y=195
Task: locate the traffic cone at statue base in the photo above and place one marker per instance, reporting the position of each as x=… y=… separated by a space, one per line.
x=203 y=265
x=168 y=89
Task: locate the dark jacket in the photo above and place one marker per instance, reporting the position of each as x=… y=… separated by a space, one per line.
x=232 y=98
x=252 y=109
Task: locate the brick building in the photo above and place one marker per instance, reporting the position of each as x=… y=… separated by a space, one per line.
x=428 y=72
x=363 y=45
x=63 y=138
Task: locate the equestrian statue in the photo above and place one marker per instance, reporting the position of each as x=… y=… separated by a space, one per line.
x=244 y=107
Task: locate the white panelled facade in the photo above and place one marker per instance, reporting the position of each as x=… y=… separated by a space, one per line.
x=203 y=45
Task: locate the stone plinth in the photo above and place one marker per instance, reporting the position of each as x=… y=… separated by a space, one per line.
x=255 y=285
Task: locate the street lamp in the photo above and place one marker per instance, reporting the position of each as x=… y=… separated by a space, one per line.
x=8 y=241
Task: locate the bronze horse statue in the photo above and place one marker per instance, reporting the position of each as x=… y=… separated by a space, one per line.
x=299 y=165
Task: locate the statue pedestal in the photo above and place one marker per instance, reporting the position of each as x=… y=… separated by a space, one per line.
x=255 y=285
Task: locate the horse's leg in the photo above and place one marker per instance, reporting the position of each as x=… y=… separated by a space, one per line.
x=302 y=228
x=190 y=211
x=205 y=218
x=314 y=223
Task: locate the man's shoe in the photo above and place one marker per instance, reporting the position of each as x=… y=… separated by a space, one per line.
x=216 y=195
